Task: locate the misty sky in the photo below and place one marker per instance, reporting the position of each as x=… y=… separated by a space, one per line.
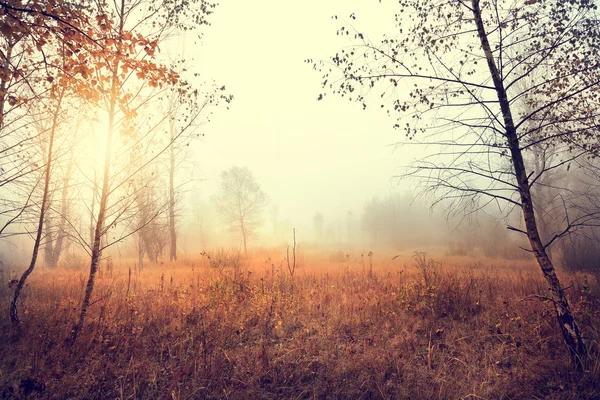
x=309 y=156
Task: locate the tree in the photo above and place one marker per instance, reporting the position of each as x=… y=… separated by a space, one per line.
x=151 y=230
x=240 y=202
x=451 y=76
x=30 y=33
x=42 y=63
x=101 y=55
x=172 y=231
x=129 y=77
x=57 y=239
x=319 y=225
x=58 y=98
x=580 y=251
x=179 y=109
x=56 y=220
x=40 y=47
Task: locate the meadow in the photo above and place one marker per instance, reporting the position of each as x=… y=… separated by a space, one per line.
x=344 y=326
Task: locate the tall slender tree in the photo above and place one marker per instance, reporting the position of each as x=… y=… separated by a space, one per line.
x=130 y=77
x=58 y=98
x=450 y=77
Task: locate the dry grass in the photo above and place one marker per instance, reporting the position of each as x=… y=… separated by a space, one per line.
x=235 y=328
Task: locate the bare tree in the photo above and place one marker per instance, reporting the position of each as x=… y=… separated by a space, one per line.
x=131 y=78
x=451 y=78
x=319 y=225
x=56 y=224
x=152 y=216
x=144 y=211
x=172 y=231
x=156 y=238
x=241 y=202
x=58 y=98
x=63 y=215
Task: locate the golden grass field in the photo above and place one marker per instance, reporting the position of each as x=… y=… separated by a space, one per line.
x=229 y=327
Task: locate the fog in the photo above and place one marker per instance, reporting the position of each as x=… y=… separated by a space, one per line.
x=327 y=158
x=265 y=199
x=308 y=155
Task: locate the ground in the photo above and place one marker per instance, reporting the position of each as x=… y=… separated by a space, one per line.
x=227 y=327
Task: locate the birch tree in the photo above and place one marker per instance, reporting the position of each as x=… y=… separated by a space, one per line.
x=129 y=76
x=450 y=75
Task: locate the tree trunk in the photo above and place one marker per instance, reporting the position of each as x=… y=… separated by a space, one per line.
x=172 y=232
x=92 y=210
x=48 y=238
x=140 y=251
x=64 y=211
x=14 y=310
x=542 y=198
x=244 y=238
x=566 y=320
x=4 y=82
x=99 y=230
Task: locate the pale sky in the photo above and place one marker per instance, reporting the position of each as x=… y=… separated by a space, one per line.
x=309 y=156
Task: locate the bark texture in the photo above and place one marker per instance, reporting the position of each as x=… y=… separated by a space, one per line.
x=566 y=320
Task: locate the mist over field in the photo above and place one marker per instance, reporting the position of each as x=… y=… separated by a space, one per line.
x=339 y=200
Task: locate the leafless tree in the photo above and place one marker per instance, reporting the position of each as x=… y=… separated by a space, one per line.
x=172 y=231
x=50 y=157
x=124 y=98
x=241 y=202
x=319 y=225
x=151 y=218
x=451 y=76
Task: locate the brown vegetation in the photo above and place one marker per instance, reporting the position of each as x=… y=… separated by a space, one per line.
x=225 y=326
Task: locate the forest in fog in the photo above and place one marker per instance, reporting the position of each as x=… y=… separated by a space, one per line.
x=350 y=200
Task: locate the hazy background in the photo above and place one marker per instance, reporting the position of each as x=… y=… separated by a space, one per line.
x=308 y=155
x=329 y=157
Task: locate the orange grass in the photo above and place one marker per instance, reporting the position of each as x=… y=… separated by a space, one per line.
x=235 y=328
